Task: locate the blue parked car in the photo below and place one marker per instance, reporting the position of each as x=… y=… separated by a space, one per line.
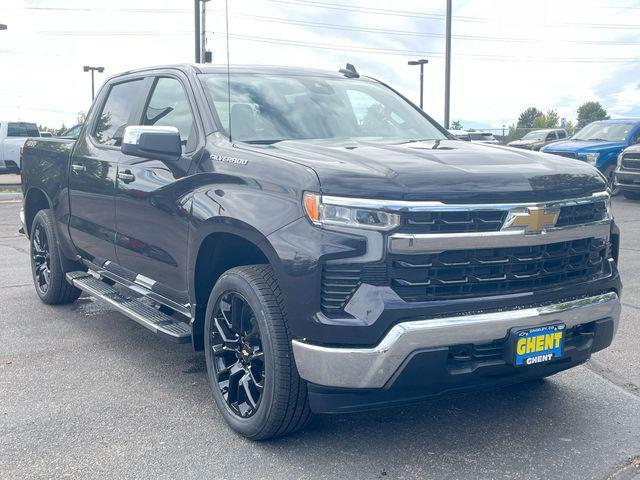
x=599 y=144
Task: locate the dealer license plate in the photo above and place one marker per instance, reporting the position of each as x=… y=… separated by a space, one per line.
x=538 y=345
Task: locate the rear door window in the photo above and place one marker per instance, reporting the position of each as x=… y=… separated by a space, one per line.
x=116 y=112
x=22 y=129
x=551 y=136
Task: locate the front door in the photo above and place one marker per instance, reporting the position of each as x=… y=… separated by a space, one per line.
x=92 y=174
x=152 y=196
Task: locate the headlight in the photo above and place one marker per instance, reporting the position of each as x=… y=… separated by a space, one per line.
x=323 y=211
x=591 y=158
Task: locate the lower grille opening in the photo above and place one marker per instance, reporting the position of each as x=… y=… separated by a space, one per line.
x=466 y=358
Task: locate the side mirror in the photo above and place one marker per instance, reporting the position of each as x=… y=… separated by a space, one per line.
x=153 y=142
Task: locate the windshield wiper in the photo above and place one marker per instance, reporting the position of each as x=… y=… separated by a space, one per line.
x=264 y=142
x=597 y=140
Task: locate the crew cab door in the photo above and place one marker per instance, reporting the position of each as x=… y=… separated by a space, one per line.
x=93 y=168
x=152 y=196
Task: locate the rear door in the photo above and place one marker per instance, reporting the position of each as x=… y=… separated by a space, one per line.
x=92 y=175
x=151 y=196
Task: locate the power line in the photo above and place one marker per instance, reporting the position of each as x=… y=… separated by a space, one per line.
x=377 y=11
x=418 y=34
x=391 y=51
x=313 y=3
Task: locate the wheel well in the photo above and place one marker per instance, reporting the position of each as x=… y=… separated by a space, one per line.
x=36 y=201
x=218 y=253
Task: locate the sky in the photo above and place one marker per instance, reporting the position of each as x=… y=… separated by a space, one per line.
x=507 y=55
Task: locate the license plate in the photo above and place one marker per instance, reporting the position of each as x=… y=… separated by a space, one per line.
x=538 y=345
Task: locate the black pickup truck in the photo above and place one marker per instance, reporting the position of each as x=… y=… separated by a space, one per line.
x=328 y=245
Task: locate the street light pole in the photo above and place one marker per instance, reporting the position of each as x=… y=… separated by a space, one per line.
x=420 y=62
x=447 y=67
x=87 y=68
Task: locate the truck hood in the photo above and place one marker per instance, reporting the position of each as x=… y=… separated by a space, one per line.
x=520 y=143
x=446 y=170
x=583 y=146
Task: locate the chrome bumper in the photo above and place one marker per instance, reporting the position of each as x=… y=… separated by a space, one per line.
x=373 y=367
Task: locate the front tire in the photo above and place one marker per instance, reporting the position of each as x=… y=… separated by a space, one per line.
x=46 y=263
x=610 y=173
x=250 y=364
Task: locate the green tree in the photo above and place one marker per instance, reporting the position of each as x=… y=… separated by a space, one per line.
x=569 y=127
x=551 y=119
x=456 y=125
x=590 y=112
x=540 y=122
x=526 y=118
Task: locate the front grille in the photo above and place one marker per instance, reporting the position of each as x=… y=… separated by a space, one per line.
x=631 y=161
x=458 y=274
x=491 y=220
x=454 y=222
x=468 y=357
x=496 y=271
x=564 y=154
x=582 y=213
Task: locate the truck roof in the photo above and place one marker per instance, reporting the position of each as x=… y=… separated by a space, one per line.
x=238 y=69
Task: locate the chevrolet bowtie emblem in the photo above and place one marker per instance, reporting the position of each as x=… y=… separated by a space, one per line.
x=531 y=219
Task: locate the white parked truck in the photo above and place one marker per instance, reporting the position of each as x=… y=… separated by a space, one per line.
x=12 y=138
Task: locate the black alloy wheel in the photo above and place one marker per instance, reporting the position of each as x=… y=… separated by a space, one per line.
x=41 y=257
x=236 y=354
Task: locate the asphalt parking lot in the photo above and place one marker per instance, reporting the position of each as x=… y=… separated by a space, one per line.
x=87 y=393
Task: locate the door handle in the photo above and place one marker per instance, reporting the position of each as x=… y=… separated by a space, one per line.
x=78 y=167
x=126 y=176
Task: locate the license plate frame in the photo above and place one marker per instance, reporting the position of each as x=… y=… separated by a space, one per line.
x=536 y=345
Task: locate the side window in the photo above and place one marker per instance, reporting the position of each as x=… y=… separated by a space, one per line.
x=551 y=136
x=562 y=134
x=169 y=106
x=116 y=111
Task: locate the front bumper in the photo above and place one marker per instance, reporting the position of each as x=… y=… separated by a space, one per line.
x=375 y=367
x=627 y=180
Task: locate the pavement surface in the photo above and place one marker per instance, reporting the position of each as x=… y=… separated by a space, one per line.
x=87 y=393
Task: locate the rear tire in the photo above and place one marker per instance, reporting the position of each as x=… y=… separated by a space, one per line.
x=46 y=263
x=251 y=370
x=631 y=195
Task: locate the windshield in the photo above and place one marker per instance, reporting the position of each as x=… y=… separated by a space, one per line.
x=603 y=131
x=534 y=136
x=270 y=108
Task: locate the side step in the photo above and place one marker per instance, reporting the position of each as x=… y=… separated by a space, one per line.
x=149 y=317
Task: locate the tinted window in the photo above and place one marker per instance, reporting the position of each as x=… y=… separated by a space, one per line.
x=562 y=134
x=22 y=129
x=169 y=106
x=116 y=112
x=551 y=136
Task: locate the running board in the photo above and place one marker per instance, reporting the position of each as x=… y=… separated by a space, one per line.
x=145 y=315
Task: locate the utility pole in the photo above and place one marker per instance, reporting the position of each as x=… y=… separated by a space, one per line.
x=196 y=10
x=447 y=67
x=87 y=68
x=203 y=42
x=420 y=62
